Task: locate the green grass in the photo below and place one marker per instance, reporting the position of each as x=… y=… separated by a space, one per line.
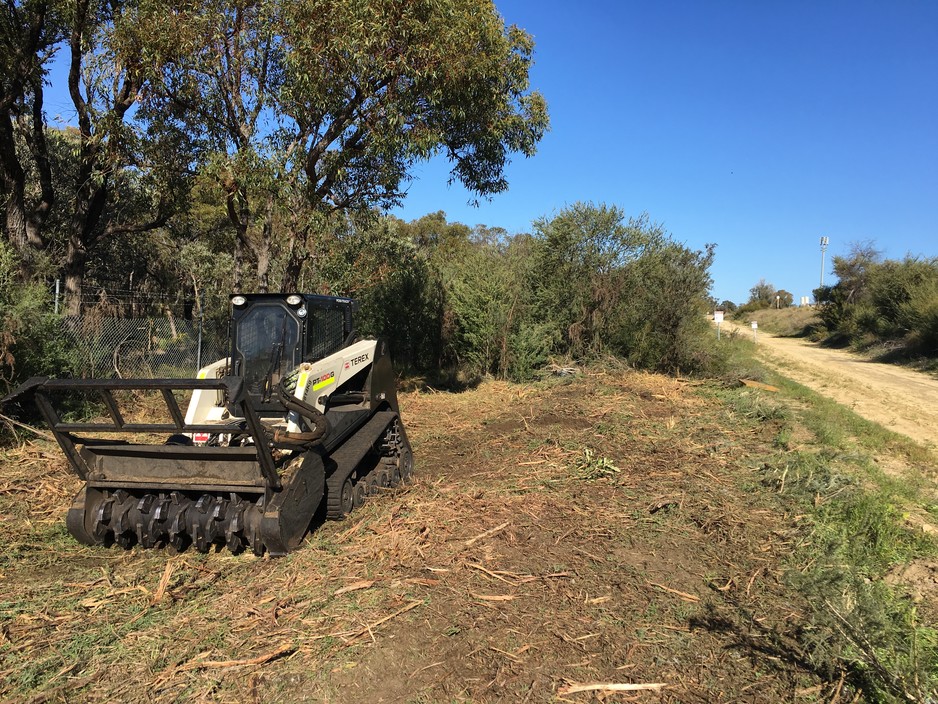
x=854 y=534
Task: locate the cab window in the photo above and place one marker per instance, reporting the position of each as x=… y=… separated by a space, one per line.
x=266 y=348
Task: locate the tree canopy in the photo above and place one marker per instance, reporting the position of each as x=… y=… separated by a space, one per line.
x=296 y=110
x=762 y=295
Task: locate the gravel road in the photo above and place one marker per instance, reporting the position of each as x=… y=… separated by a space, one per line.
x=899 y=399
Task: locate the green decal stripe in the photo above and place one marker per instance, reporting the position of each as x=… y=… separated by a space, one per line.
x=324 y=384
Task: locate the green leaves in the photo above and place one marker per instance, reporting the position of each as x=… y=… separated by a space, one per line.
x=327 y=105
x=608 y=284
x=878 y=299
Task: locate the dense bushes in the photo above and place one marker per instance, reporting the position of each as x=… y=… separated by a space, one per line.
x=586 y=283
x=31 y=341
x=883 y=300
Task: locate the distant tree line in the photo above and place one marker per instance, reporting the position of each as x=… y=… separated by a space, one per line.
x=761 y=296
x=585 y=283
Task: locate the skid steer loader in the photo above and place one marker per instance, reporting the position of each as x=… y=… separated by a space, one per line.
x=300 y=414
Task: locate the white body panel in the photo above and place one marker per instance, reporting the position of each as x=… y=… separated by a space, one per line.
x=318 y=380
x=202 y=402
x=315 y=383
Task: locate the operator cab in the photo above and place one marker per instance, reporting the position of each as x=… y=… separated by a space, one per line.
x=272 y=333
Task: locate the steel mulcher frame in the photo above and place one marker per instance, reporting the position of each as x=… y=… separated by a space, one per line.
x=241 y=495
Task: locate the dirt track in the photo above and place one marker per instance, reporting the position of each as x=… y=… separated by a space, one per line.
x=899 y=399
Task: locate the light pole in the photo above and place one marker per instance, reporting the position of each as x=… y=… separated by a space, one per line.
x=824 y=242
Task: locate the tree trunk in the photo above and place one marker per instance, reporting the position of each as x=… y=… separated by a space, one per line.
x=15 y=224
x=23 y=225
x=263 y=267
x=36 y=138
x=298 y=256
x=240 y=217
x=83 y=230
x=263 y=249
x=74 y=269
x=238 y=272
x=13 y=184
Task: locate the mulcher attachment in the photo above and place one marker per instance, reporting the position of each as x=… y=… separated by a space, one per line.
x=156 y=519
x=274 y=522
x=246 y=496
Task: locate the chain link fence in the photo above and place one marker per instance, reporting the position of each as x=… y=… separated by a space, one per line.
x=137 y=336
x=142 y=347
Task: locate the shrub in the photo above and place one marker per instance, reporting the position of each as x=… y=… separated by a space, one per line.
x=887 y=300
x=606 y=284
x=660 y=320
x=31 y=339
x=921 y=315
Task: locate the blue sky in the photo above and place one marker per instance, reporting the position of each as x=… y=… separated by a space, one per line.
x=757 y=126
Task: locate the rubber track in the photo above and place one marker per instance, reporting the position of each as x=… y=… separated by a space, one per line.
x=349 y=455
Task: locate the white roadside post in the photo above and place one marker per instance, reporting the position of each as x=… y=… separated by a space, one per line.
x=755 y=326
x=718 y=319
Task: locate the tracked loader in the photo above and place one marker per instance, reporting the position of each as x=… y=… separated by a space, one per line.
x=301 y=416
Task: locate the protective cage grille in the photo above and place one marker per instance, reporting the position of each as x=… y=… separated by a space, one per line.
x=325 y=333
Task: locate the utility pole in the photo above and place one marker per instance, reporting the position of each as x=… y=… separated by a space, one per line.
x=824 y=242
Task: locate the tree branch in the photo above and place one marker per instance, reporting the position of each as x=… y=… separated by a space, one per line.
x=74 y=69
x=39 y=148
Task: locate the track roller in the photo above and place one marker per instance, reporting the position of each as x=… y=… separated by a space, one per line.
x=358 y=495
x=347 y=499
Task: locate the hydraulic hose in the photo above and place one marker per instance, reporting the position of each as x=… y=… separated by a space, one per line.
x=308 y=412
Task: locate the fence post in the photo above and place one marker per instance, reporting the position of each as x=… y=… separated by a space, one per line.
x=57 y=283
x=198 y=353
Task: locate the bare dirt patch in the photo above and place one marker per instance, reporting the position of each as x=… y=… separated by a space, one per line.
x=920 y=579
x=604 y=530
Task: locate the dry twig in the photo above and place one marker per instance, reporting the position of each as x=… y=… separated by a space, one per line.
x=364 y=584
x=469 y=543
x=164 y=582
x=611 y=687
x=196 y=664
x=683 y=595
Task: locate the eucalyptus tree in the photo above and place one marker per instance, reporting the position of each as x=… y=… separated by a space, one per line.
x=306 y=108
x=76 y=180
x=29 y=33
x=113 y=57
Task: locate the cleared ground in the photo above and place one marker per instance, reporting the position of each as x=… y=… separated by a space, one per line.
x=616 y=528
